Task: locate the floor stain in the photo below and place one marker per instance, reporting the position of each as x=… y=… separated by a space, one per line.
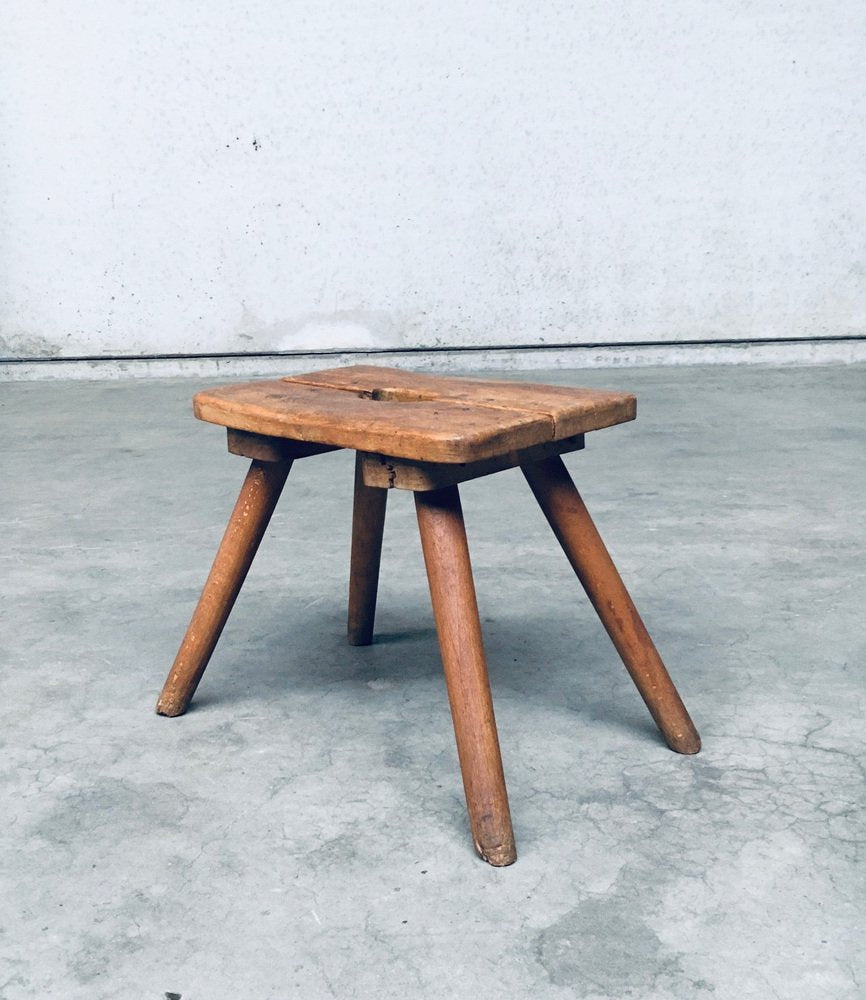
x=603 y=947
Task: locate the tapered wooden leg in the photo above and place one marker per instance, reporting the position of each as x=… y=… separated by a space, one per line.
x=446 y=554
x=368 y=524
x=578 y=536
x=258 y=497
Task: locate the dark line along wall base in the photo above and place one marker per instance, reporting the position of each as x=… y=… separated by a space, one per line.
x=457 y=349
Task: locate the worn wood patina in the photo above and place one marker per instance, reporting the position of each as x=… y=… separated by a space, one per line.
x=427 y=433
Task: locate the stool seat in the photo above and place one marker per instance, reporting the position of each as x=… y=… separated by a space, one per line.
x=428 y=418
x=427 y=434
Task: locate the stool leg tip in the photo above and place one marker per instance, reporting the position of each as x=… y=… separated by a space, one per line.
x=500 y=856
x=360 y=637
x=171 y=707
x=686 y=743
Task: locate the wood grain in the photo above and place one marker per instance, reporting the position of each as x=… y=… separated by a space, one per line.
x=252 y=512
x=425 y=430
x=271 y=449
x=405 y=415
x=452 y=590
x=388 y=472
x=570 y=410
x=565 y=510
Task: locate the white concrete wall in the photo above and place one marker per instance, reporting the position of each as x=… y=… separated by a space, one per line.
x=217 y=176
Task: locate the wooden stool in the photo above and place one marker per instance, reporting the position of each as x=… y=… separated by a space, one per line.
x=427 y=433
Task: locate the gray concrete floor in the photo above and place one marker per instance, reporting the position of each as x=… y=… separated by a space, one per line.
x=301 y=831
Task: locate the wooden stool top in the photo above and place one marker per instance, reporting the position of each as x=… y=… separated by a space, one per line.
x=427 y=418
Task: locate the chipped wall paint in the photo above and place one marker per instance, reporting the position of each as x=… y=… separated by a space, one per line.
x=209 y=178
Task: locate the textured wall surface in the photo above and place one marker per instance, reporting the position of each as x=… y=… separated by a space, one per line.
x=198 y=178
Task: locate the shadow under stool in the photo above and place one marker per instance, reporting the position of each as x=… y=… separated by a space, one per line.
x=427 y=433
